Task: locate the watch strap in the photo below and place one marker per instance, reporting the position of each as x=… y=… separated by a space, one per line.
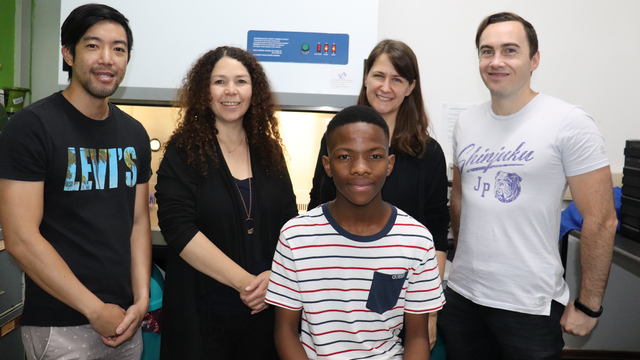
x=582 y=307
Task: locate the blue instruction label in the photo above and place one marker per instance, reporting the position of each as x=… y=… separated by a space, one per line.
x=299 y=47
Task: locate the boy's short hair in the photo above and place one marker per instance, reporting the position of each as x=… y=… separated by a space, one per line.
x=355 y=114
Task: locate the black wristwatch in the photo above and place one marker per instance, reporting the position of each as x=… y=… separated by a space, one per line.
x=582 y=307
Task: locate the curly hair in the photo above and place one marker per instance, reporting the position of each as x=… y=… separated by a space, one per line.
x=411 y=132
x=196 y=131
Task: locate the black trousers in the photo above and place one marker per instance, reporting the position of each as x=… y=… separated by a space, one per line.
x=238 y=337
x=475 y=332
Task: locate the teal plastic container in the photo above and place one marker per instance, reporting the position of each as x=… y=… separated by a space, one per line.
x=150 y=340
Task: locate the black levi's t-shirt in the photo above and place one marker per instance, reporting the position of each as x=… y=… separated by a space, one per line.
x=90 y=171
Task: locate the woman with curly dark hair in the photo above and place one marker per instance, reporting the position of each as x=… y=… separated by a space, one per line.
x=418 y=182
x=223 y=194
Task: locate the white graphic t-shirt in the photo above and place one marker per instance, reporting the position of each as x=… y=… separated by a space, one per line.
x=514 y=173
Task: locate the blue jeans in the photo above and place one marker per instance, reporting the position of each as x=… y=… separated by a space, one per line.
x=472 y=331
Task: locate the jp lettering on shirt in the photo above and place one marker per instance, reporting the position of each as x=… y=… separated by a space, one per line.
x=506 y=184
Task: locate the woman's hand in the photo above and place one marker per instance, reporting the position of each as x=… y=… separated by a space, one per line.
x=255 y=293
x=433 y=329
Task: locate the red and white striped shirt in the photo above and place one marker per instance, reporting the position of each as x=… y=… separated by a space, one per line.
x=354 y=290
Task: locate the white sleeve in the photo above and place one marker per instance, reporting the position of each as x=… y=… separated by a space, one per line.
x=424 y=290
x=581 y=144
x=283 y=290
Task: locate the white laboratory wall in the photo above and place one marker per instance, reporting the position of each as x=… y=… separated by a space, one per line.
x=169 y=38
x=589 y=55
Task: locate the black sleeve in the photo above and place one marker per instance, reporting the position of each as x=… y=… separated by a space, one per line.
x=290 y=206
x=176 y=193
x=23 y=148
x=145 y=173
x=436 y=189
x=323 y=189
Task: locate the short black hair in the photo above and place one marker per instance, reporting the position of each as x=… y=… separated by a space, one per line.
x=85 y=16
x=355 y=114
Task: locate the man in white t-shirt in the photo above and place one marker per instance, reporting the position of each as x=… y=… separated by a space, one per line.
x=514 y=157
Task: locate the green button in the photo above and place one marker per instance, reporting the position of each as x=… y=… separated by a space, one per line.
x=305 y=47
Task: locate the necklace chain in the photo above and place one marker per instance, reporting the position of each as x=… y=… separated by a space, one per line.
x=244 y=204
x=237 y=146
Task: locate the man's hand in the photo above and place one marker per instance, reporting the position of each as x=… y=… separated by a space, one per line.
x=255 y=293
x=128 y=326
x=106 y=319
x=575 y=322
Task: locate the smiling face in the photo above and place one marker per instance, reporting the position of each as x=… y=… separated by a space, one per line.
x=230 y=90
x=359 y=162
x=100 y=60
x=505 y=62
x=386 y=89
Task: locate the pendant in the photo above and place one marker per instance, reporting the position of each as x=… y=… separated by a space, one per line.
x=250 y=223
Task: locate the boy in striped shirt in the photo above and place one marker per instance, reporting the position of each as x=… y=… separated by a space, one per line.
x=355 y=270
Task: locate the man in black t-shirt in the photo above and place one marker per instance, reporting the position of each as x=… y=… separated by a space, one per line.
x=74 y=172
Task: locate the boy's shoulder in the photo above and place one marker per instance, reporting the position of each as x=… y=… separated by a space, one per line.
x=316 y=222
x=312 y=217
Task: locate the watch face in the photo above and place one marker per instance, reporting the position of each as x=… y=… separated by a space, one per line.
x=155 y=144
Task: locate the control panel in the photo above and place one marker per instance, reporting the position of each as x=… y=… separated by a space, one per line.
x=299 y=47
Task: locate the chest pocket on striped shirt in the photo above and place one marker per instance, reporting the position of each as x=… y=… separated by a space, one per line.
x=385 y=291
